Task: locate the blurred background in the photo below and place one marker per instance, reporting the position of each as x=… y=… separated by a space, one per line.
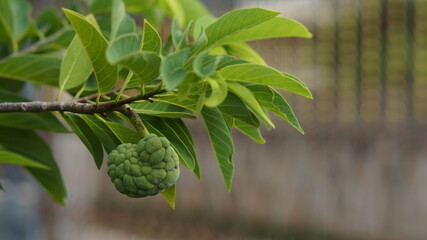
x=359 y=172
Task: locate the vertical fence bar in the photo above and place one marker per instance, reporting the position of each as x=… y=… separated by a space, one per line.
x=384 y=55
x=336 y=58
x=410 y=26
x=359 y=62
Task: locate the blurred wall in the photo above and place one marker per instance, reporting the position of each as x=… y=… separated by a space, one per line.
x=359 y=172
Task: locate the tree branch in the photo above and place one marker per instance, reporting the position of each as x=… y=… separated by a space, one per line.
x=72 y=106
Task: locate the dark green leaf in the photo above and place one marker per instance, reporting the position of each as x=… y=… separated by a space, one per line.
x=222 y=142
x=87 y=136
x=123 y=133
x=247 y=96
x=29 y=144
x=273 y=101
x=104 y=134
x=41 y=121
x=235 y=108
x=172 y=68
x=161 y=109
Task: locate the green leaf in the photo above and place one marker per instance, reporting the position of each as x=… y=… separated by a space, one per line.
x=41 y=69
x=118 y=13
x=125 y=51
x=245 y=52
x=48 y=21
x=247 y=96
x=185 y=88
x=21 y=21
x=192 y=10
x=222 y=142
x=95 y=46
x=6 y=25
x=30 y=145
x=7 y=157
x=235 y=108
x=172 y=68
x=227 y=60
x=273 y=28
x=161 y=109
x=274 y=101
x=235 y=22
x=206 y=65
x=189 y=102
x=151 y=40
x=201 y=24
x=252 y=132
x=169 y=194
x=219 y=90
x=123 y=133
x=41 y=121
x=177 y=133
x=87 y=136
x=254 y=73
x=103 y=133
x=75 y=67
x=138 y=6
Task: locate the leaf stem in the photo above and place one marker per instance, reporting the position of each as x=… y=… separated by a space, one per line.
x=135 y=119
x=128 y=78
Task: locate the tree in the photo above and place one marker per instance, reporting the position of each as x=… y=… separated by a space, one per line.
x=126 y=81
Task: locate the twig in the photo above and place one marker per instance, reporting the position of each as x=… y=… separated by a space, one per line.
x=72 y=106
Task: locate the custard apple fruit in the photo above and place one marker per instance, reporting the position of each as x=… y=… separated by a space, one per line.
x=145 y=168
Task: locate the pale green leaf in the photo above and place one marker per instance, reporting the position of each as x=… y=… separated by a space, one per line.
x=247 y=96
x=169 y=194
x=273 y=28
x=234 y=22
x=41 y=69
x=184 y=10
x=95 y=45
x=21 y=17
x=221 y=141
x=30 y=145
x=151 y=40
x=75 y=67
x=218 y=92
x=254 y=73
x=118 y=13
x=87 y=136
x=7 y=157
x=201 y=24
x=245 y=52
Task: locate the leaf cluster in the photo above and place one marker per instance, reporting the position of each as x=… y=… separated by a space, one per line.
x=204 y=68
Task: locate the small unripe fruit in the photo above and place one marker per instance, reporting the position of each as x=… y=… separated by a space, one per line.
x=145 y=168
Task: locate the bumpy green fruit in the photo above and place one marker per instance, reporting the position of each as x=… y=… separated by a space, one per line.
x=143 y=169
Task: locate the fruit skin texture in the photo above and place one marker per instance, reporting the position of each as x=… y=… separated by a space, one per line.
x=143 y=169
